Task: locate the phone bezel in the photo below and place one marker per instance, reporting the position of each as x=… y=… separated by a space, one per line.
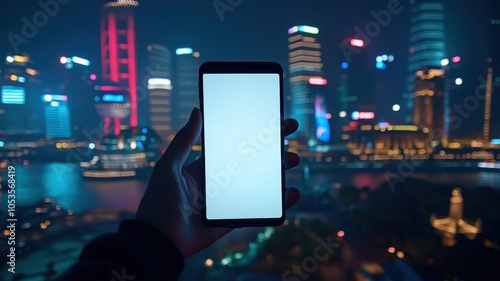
x=214 y=67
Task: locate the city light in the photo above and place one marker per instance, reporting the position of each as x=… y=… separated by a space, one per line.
x=445 y=62
x=91 y=145
x=13 y=95
x=47 y=98
x=63 y=60
x=344 y=65
x=113 y=98
x=458 y=81
x=400 y=254
x=184 y=51
x=159 y=81
x=385 y=57
x=93 y=77
x=31 y=71
x=318 y=81
x=456 y=59
x=328 y=116
x=209 y=262
x=13 y=77
x=381 y=65
x=21 y=79
x=54 y=103
x=9 y=59
x=342 y=114
x=356 y=115
x=305 y=29
x=379 y=59
x=391 y=250
x=357 y=42
x=396 y=107
x=390 y=58
x=292 y=30
x=80 y=61
x=341 y=233
x=20 y=59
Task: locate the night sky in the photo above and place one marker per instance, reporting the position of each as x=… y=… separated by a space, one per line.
x=254 y=30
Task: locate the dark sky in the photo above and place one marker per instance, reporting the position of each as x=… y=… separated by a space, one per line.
x=254 y=30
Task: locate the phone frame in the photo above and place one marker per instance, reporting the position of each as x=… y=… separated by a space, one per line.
x=219 y=67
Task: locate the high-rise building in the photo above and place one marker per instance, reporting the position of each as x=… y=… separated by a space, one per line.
x=427 y=44
x=20 y=110
x=186 y=85
x=160 y=91
x=305 y=63
x=428 y=110
x=118 y=51
x=57 y=116
x=494 y=65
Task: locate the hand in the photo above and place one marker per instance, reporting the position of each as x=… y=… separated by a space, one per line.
x=173 y=200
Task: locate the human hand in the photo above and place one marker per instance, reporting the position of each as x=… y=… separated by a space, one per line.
x=175 y=189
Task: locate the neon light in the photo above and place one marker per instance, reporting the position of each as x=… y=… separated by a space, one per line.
x=80 y=61
x=110 y=88
x=113 y=51
x=308 y=29
x=132 y=73
x=318 y=81
x=93 y=77
x=357 y=42
x=184 y=51
x=13 y=95
x=344 y=65
x=117 y=125
x=356 y=115
x=456 y=59
x=381 y=65
x=113 y=98
x=292 y=30
x=159 y=81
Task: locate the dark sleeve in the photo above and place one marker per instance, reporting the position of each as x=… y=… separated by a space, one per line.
x=138 y=251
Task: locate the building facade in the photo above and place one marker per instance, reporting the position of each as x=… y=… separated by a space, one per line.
x=186 y=94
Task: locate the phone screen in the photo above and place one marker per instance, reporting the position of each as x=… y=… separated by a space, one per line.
x=242 y=146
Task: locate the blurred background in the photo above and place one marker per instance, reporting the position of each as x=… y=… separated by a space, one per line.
x=399 y=135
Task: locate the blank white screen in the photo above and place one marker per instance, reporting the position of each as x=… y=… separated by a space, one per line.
x=242 y=146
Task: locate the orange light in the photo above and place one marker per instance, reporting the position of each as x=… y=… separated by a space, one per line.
x=341 y=233
x=391 y=250
x=400 y=254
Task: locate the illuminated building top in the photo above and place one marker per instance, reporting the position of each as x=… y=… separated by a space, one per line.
x=121 y=3
x=304 y=29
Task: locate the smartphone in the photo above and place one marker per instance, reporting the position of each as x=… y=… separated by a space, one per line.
x=242 y=143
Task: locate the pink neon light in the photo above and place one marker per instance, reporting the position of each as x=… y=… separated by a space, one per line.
x=113 y=51
x=64 y=97
x=104 y=48
x=111 y=88
x=456 y=59
x=318 y=81
x=117 y=126
x=357 y=42
x=107 y=122
x=93 y=77
x=132 y=71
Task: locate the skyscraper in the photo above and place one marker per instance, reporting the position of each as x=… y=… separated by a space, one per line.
x=428 y=111
x=427 y=44
x=160 y=90
x=186 y=85
x=118 y=52
x=494 y=65
x=57 y=116
x=304 y=59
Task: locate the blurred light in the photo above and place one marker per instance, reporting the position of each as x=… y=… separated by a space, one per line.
x=318 y=81
x=381 y=65
x=357 y=42
x=495 y=141
x=21 y=59
x=396 y=107
x=385 y=57
x=159 y=81
x=63 y=60
x=6 y=232
x=54 y=103
x=13 y=77
x=341 y=233
x=342 y=114
x=2 y=144
x=458 y=81
x=238 y=256
x=9 y=59
x=91 y=145
x=93 y=77
x=113 y=98
x=344 y=65
x=21 y=79
x=69 y=65
x=328 y=116
x=356 y=115
x=184 y=51
x=445 y=62
x=209 y=262
x=292 y=30
x=378 y=59
x=70 y=213
x=390 y=58
x=31 y=71
x=391 y=250
x=456 y=59
x=80 y=61
x=133 y=145
x=308 y=29
x=196 y=54
x=224 y=261
x=383 y=125
x=400 y=254
x=144 y=130
x=43 y=225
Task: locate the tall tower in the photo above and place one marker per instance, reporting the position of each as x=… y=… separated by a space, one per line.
x=304 y=60
x=186 y=85
x=493 y=75
x=429 y=102
x=427 y=45
x=118 y=52
x=160 y=90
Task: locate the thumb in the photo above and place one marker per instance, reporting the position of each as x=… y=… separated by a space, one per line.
x=180 y=147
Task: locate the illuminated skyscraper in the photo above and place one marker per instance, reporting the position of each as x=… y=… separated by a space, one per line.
x=57 y=116
x=427 y=43
x=160 y=91
x=186 y=85
x=118 y=52
x=304 y=63
x=494 y=66
x=428 y=111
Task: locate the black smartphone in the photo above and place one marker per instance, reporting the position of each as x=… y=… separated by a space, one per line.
x=242 y=143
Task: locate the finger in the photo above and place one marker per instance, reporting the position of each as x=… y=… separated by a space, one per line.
x=290 y=126
x=291 y=160
x=292 y=195
x=180 y=147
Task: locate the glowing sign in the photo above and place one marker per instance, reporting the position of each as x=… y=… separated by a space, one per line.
x=13 y=95
x=184 y=51
x=303 y=28
x=356 y=115
x=113 y=98
x=318 y=81
x=80 y=61
x=357 y=42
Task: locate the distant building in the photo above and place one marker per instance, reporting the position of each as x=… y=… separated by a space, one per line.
x=186 y=94
x=494 y=35
x=427 y=44
x=20 y=106
x=305 y=63
x=428 y=110
x=118 y=51
x=57 y=116
x=160 y=91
